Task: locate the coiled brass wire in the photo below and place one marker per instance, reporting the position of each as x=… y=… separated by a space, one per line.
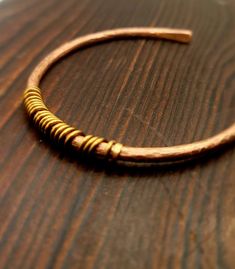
x=55 y=128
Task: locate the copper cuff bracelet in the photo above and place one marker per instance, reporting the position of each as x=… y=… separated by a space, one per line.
x=58 y=130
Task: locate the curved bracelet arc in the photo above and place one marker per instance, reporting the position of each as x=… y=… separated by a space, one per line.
x=62 y=132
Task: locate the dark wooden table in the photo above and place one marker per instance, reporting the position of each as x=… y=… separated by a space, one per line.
x=58 y=211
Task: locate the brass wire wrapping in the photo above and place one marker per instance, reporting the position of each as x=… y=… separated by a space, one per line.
x=55 y=128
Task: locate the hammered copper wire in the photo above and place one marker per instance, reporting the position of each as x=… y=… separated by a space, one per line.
x=62 y=132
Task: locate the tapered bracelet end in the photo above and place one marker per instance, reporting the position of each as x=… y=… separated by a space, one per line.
x=178 y=35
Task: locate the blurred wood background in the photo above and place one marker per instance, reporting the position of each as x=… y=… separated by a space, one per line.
x=58 y=211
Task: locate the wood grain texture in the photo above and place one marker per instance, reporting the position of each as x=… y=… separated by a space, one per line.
x=58 y=211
